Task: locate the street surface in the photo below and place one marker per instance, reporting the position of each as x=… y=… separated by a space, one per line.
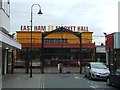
x=53 y=81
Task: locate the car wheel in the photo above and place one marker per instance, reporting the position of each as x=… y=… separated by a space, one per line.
x=108 y=82
x=90 y=77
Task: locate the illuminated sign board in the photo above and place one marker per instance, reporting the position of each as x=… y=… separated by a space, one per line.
x=51 y=27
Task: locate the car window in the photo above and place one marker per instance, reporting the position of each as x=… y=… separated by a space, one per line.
x=98 y=66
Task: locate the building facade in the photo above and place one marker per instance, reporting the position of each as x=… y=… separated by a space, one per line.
x=113 y=50
x=7 y=43
x=59 y=45
x=100 y=53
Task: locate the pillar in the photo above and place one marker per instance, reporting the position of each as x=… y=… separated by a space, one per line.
x=0 y=66
x=80 y=39
x=4 y=61
x=12 y=61
x=107 y=57
x=42 y=54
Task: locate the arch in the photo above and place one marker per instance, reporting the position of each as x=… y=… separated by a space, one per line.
x=61 y=29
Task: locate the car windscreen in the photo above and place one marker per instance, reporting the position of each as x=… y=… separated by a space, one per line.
x=98 y=66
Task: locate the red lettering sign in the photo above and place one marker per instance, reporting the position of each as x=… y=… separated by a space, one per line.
x=44 y=28
x=25 y=28
x=39 y=28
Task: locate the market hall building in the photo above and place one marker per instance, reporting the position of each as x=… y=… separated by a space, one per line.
x=59 y=45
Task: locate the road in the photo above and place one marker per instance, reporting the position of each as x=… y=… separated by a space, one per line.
x=72 y=81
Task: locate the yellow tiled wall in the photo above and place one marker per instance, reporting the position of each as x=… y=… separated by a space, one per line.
x=25 y=37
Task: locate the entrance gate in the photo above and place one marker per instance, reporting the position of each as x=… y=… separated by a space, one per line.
x=58 y=54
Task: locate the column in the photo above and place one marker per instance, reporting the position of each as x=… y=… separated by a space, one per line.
x=42 y=54
x=5 y=61
x=0 y=60
x=107 y=58
x=12 y=62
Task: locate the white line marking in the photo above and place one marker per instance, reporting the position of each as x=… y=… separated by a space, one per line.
x=88 y=82
x=77 y=77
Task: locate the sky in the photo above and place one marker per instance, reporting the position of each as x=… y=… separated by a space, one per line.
x=99 y=15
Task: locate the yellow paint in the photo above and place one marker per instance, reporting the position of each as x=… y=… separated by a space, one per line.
x=86 y=37
x=25 y=37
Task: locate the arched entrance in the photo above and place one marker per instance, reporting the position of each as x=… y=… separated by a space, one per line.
x=60 y=46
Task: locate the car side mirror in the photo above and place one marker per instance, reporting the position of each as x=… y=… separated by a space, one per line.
x=88 y=67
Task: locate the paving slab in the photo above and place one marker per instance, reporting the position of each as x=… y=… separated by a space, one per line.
x=20 y=81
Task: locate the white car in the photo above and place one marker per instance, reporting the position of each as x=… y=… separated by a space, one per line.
x=96 y=70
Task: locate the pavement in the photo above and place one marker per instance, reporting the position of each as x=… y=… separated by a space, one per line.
x=49 y=70
x=51 y=81
x=21 y=81
x=38 y=81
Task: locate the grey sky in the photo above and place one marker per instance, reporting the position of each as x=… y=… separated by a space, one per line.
x=99 y=15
